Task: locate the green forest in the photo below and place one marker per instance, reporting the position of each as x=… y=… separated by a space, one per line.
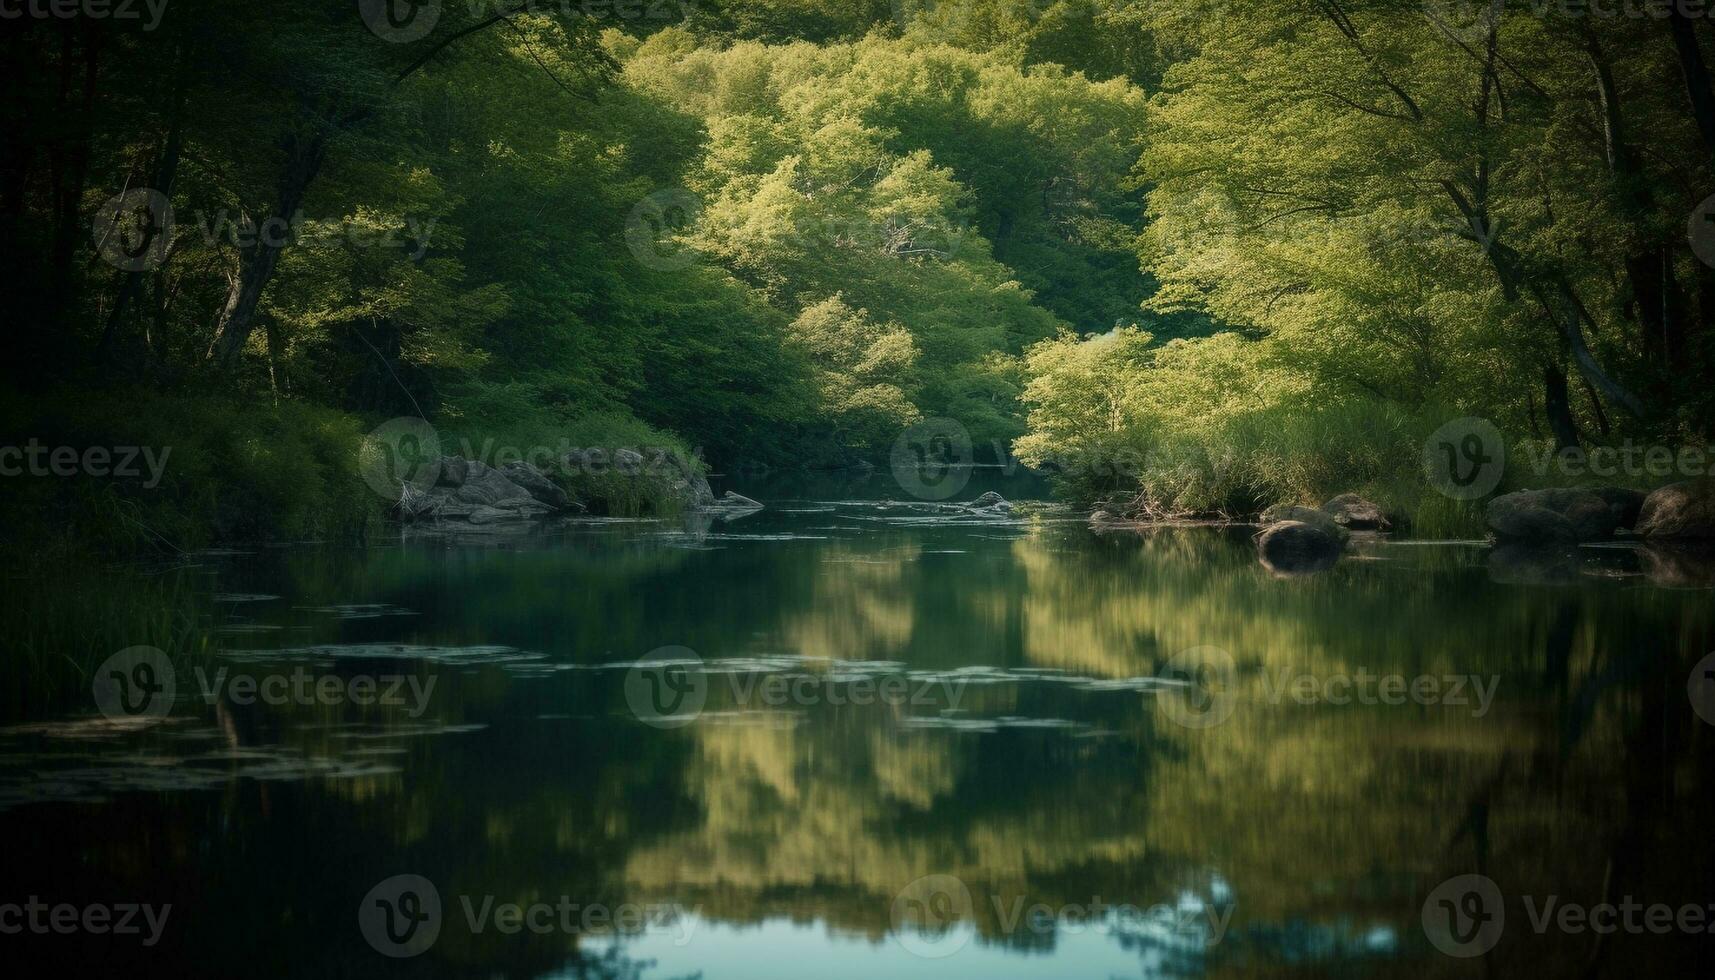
x=1205 y=258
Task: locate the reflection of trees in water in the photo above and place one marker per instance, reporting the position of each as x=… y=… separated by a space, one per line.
x=858 y=607
x=1328 y=821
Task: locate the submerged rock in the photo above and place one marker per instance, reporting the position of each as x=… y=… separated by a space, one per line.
x=1352 y=511
x=1680 y=510
x=1297 y=548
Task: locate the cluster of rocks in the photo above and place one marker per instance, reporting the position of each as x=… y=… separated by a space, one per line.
x=1674 y=527
x=472 y=491
x=1296 y=539
x=1677 y=512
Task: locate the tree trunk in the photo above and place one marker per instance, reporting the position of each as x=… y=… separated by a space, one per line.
x=68 y=160
x=1696 y=74
x=1558 y=299
x=1558 y=407
x=304 y=158
x=1649 y=269
x=166 y=172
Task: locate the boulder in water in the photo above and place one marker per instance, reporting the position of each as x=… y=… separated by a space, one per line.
x=1680 y=511
x=1352 y=511
x=1561 y=514
x=1304 y=515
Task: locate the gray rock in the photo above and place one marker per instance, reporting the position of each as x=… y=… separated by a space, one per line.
x=490 y=488
x=450 y=507
x=1680 y=511
x=1560 y=514
x=694 y=490
x=1526 y=522
x=628 y=462
x=1297 y=548
x=737 y=500
x=490 y=515
x=454 y=470
x=1304 y=515
x=578 y=462
x=1352 y=511
x=536 y=484
x=668 y=461
x=991 y=501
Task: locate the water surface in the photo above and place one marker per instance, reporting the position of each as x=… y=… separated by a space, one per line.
x=926 y=744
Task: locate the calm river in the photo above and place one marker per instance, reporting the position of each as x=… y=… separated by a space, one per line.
x=846 y=738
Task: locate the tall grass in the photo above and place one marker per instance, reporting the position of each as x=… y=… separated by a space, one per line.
x=65 y=617
x=1242 y=464
x=228 y=470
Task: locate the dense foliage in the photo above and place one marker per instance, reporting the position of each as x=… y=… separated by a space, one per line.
x=1220 y=258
